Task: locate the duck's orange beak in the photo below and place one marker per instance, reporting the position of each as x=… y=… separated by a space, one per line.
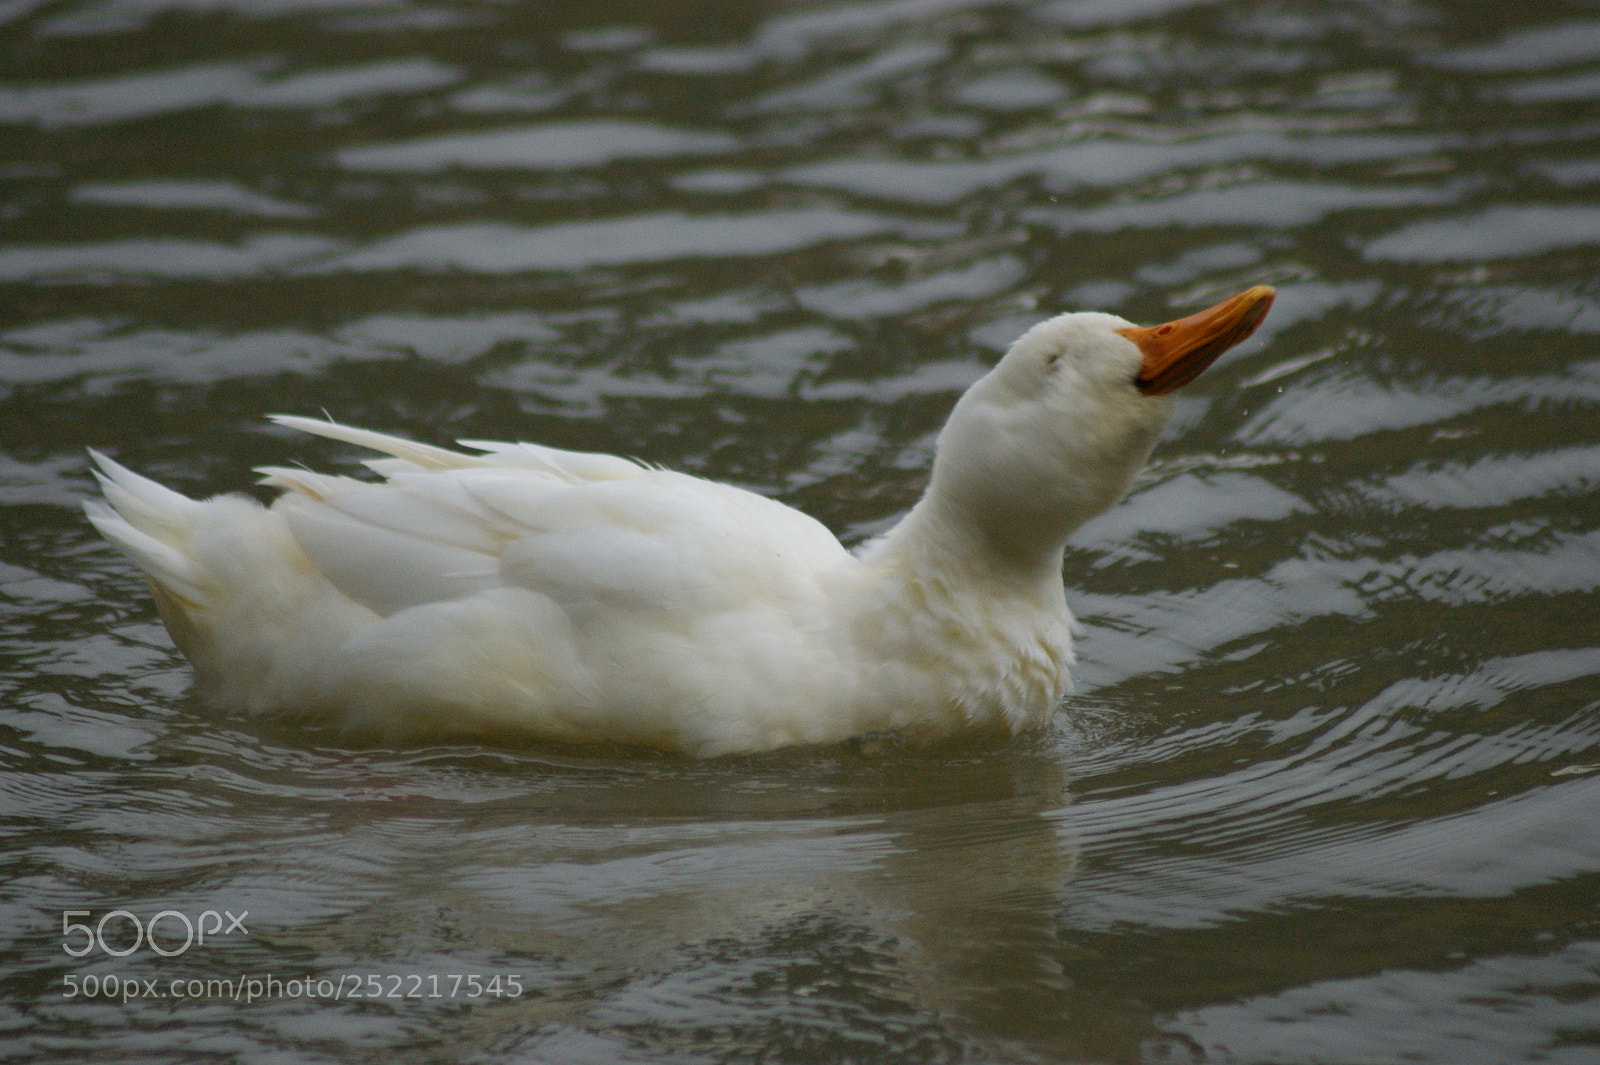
x=1177 y=352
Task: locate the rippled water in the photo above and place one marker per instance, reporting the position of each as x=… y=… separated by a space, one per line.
x=1329 y=786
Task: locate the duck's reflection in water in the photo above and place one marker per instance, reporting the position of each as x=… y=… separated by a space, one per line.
x=904 y=898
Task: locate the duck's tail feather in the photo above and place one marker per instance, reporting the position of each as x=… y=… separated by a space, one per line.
x=150 y=523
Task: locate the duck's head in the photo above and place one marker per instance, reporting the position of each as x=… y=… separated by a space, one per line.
x=1055 y=432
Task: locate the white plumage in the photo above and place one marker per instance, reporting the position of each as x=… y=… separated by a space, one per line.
x=520 y=592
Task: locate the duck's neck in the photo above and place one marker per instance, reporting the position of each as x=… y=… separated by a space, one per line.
x=982 y=626
x=938 y=541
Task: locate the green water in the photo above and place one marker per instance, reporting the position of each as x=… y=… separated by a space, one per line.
x=1328 y=786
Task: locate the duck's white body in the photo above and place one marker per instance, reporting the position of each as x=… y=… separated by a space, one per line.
x=523 y=591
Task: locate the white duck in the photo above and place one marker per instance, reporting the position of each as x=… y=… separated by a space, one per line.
x=526 y=592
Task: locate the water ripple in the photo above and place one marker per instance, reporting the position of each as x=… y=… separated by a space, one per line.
x=553 y=146
x=1495 y=233
x=498 y=248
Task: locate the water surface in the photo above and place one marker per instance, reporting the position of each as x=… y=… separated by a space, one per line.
x=1327 y=788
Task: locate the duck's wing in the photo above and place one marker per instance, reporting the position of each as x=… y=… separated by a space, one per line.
x=593 y=532
x=571 y=466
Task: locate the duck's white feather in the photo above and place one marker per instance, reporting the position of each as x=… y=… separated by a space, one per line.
x=521 y=591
